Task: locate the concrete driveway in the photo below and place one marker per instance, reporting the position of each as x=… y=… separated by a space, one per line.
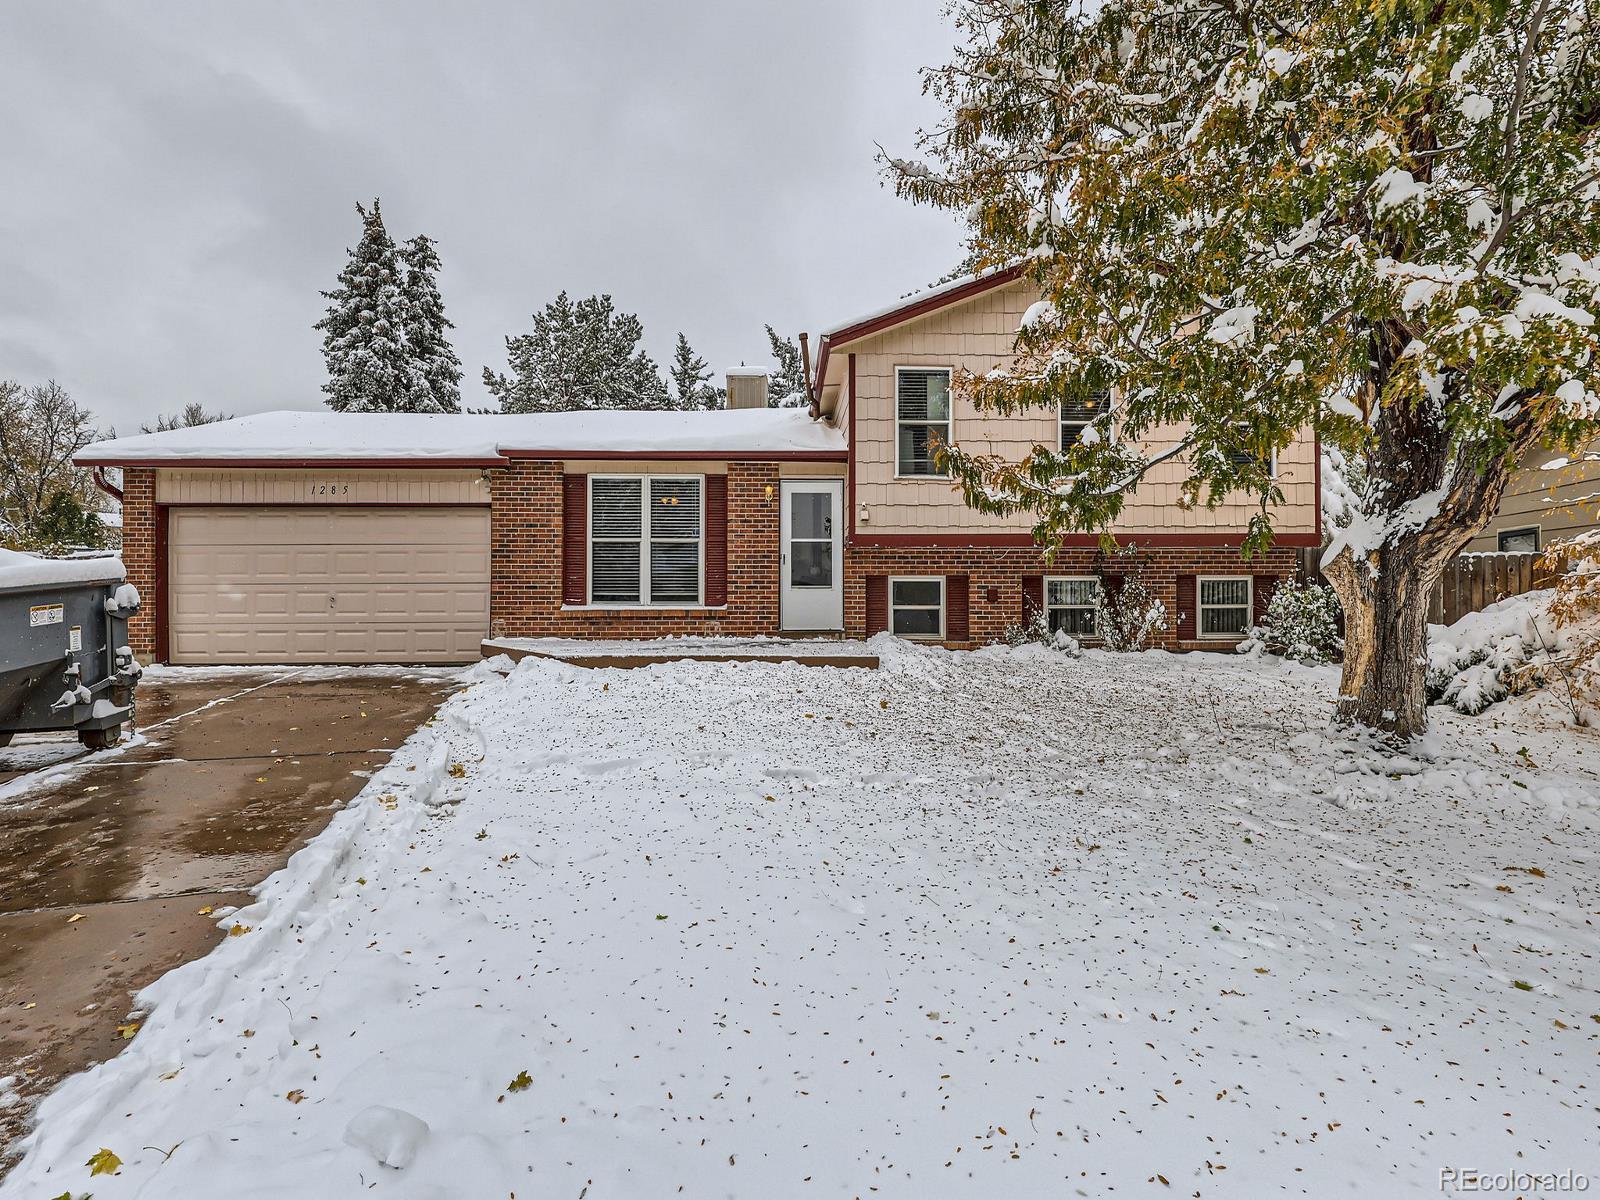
x=107 y=860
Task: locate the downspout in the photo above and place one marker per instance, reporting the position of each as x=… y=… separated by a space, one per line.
x=105 y=485
x=813 y=407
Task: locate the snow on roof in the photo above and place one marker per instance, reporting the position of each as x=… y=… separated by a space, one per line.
x=299 y=436
x=19 y=570
x=743 y=371
x=922 y=297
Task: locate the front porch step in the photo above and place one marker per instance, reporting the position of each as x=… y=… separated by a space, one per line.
x=627 y=655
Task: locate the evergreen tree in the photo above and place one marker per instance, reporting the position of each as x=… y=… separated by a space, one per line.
x=1253 y=218
x=691 y=379
x=435 y=369
x=787 y=386
x=363 y=343
x=582 y=355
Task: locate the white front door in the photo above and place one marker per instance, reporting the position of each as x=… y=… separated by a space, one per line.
x=812 y=596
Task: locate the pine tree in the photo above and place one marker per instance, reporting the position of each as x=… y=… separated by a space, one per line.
x=787 y=386
x=1254 y=218
x=582 y=355
x=363 y=343
x=435 y=383
x=691 y=379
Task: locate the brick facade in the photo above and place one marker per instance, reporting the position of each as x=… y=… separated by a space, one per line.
x=526 y=563
x=995 y=578
x=139 y=537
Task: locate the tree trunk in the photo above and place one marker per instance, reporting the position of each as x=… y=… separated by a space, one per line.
x=1385 y=597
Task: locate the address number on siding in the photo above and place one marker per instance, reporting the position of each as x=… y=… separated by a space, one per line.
x=318 y=490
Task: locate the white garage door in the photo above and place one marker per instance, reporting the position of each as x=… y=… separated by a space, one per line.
x=327 y=585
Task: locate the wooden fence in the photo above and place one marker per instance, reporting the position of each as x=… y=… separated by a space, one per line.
x=1471 y=583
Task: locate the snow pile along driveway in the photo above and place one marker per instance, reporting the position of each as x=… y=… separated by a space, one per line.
x=971 y=925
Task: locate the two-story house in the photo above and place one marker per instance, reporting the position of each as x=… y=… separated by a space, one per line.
x=327 y=537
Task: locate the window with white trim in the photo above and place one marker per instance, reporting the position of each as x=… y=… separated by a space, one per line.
x=922 y=417
x=1519 y=541
x=1076 y=415
x=1224 y=604
x=916 y=607
x=644 y=539
x=1069 y=604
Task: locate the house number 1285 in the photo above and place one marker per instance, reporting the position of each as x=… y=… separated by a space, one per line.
x=330 y=489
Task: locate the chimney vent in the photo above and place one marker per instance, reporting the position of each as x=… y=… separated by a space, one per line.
x=747 y=387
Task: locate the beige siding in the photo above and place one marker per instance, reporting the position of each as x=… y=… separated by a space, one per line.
x=1559 y=501
x=321 y=487
x=977 y=336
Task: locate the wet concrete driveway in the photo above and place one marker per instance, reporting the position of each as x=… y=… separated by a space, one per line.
x=105 y=861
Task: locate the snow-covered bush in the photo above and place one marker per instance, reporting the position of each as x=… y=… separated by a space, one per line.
x=1486 y=656
x=1302 y=623
x=1128 y=616
x=1037 y=631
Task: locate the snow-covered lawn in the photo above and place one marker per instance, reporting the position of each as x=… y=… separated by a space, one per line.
x=995 y=924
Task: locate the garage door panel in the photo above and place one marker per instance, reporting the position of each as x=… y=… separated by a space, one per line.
x=335 y=585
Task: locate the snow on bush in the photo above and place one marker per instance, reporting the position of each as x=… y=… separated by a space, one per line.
x=1128 y=616
x=1488 y=655
x=1037 y=631
x=1302 y=624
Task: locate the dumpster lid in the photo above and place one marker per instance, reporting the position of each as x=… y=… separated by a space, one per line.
x=19 y=570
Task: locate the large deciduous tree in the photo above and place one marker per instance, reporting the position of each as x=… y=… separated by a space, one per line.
x=46 y=503
x=579 y=355
x=1378 y=222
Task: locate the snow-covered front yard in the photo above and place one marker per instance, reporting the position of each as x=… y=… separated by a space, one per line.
x=991 y=924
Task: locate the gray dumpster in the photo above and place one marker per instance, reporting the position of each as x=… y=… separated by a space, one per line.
x=64 y=659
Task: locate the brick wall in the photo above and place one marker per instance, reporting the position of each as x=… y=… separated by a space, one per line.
x=525 y=563
x=526 y=567
x=995 y=578
x=139 y=556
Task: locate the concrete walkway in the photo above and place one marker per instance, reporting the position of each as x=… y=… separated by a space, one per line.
x=107 y=860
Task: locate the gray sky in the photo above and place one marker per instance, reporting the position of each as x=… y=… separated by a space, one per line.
x=180 y=177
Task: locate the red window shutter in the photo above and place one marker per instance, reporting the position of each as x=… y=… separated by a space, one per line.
x=957 y=626
x=575 y=539
x=877 y=604
x=716 y=539
x=1187 y=613
x=1032 y=597
x=1112 y=586
x=1261 y=591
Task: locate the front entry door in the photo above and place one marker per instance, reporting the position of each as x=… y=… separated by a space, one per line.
x=813 y=559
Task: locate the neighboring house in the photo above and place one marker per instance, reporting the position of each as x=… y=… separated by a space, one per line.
x=328 y=537
x=1552 y=496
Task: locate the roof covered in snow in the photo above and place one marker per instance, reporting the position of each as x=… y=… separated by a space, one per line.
x=473 y=438
x=19 y=570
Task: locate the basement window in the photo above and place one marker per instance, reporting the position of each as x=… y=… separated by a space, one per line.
x=1224 y=603
x=916 y=607
x=644 y=539
x=1069 y=604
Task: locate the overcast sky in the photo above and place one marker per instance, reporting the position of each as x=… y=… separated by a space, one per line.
x=180 y=178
